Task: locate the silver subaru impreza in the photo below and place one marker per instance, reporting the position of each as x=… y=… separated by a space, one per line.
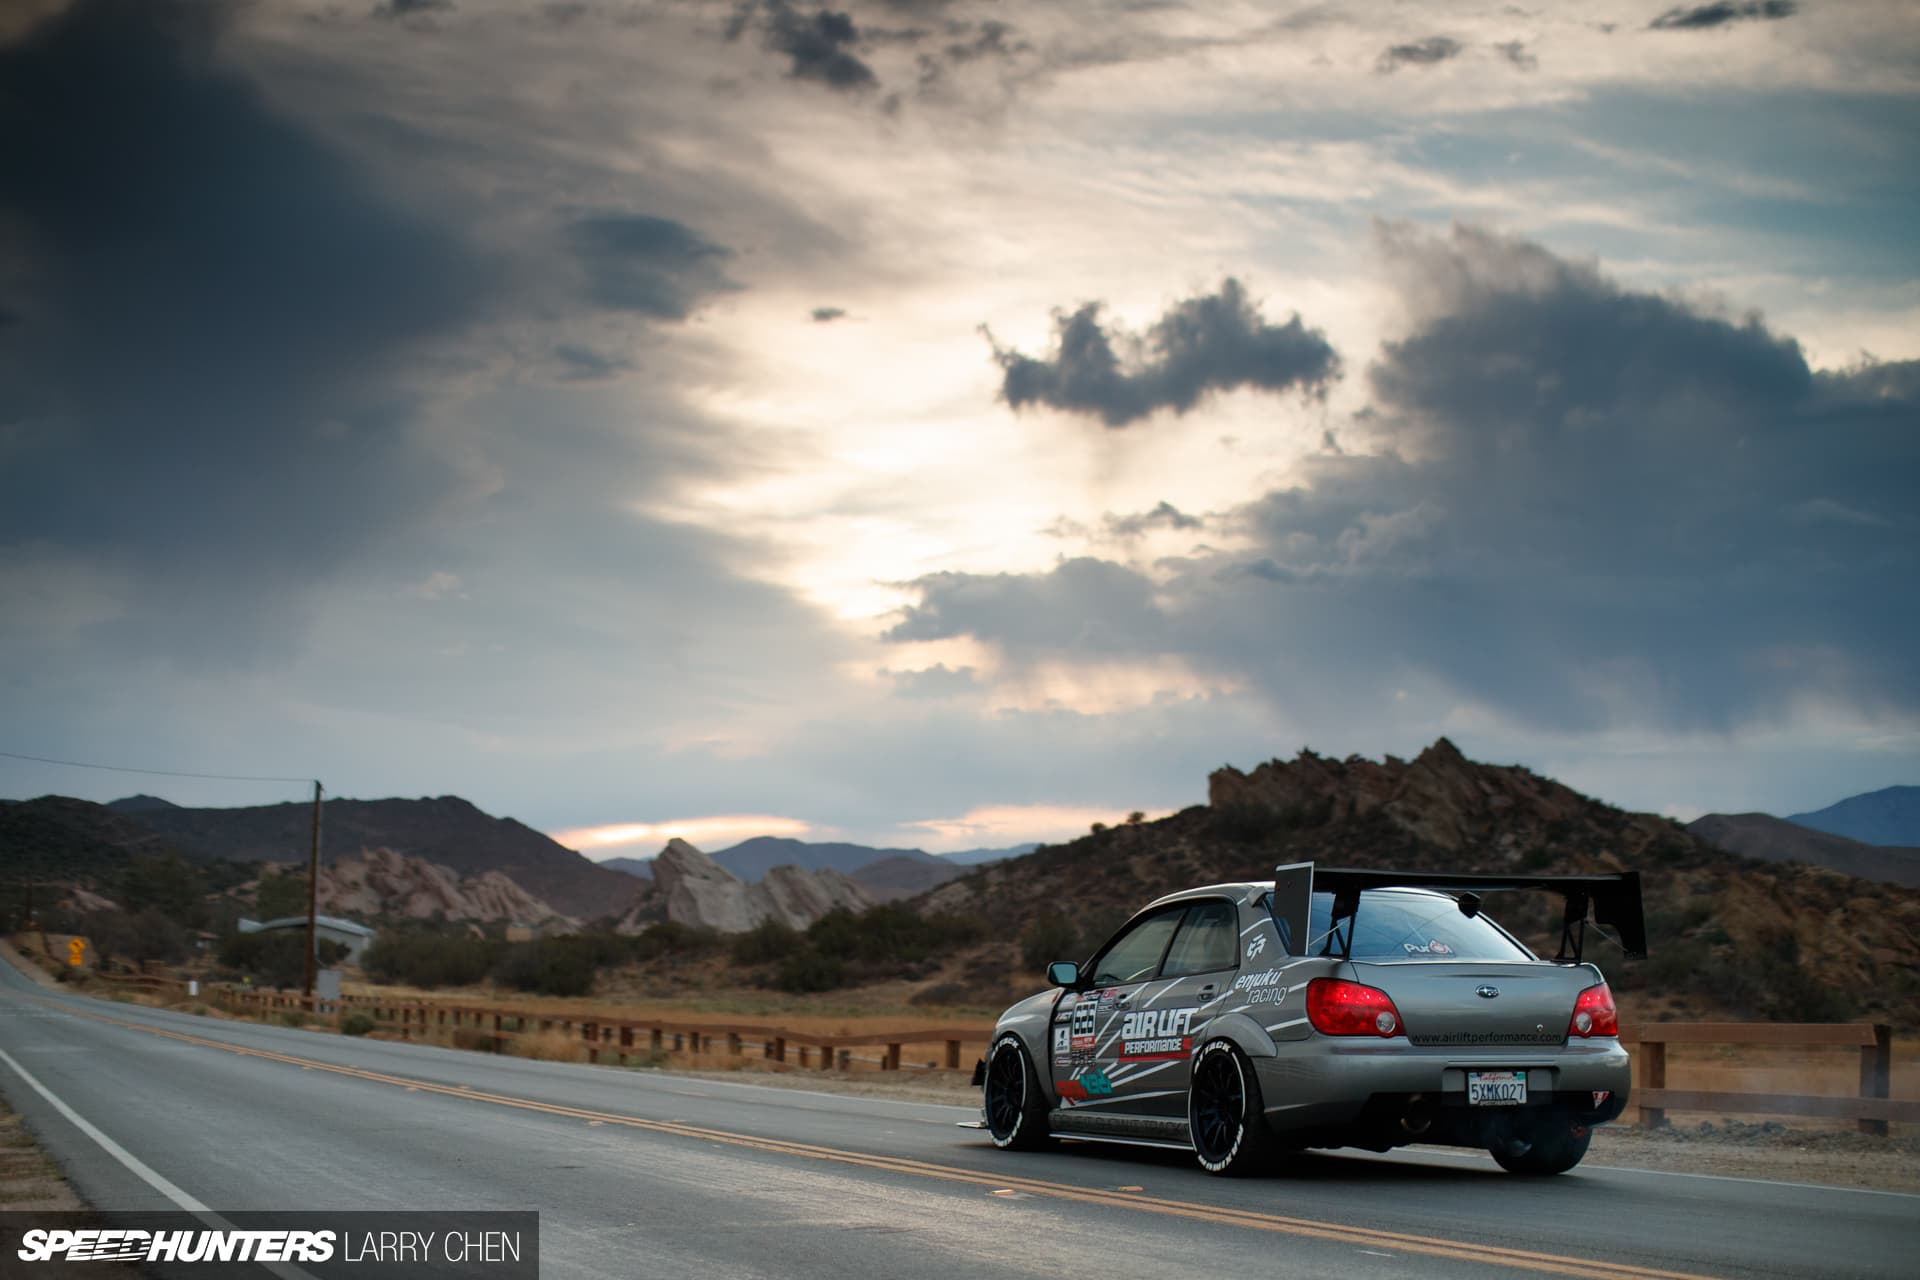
x=1326 y=1009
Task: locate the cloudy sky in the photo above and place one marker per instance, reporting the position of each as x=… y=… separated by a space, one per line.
x=947 y=422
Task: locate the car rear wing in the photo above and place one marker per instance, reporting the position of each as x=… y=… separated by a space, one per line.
x=1614 y=899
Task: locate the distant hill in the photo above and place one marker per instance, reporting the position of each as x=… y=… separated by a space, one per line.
x=447 y=831
x=1729 y=936
x=886 y=874
x=976 y=857
x=1890 y=816
x=894 y=877
x=1771 y=839
x=140 y=804
x=752 y=859
x=56 y=836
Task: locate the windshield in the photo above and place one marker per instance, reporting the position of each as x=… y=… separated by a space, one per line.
x=1407 y=924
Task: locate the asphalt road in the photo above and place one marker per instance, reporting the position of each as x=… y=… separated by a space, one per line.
x=639 y=1174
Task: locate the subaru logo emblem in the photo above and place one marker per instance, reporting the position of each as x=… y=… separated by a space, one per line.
x=1486 y=993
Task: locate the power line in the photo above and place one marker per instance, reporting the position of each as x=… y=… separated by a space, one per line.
x=162 y=773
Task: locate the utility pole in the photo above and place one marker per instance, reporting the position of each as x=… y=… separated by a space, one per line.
x=313 y=897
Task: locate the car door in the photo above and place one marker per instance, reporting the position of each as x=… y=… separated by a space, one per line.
x=1087 y=1023
x=1151 y=1058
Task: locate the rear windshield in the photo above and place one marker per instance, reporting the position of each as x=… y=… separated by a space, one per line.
x=1395 y=924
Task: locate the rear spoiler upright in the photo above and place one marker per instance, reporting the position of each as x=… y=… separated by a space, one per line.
x=1614 y=899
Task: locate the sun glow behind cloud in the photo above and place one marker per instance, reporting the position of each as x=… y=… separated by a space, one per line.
x=1007 y=824
x=620 y=838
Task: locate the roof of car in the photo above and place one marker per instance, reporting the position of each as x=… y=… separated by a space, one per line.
x=1244 y=892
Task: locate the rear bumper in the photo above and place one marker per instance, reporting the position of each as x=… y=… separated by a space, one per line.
x=1324 y=1084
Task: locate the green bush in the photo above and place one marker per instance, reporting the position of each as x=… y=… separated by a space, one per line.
x=277 y=957
x=430 y=960
x=550 y=966
x=293 y=1018
x=670 y=938
x=810 y=970
x=766 y=942
x=1051 y=937
x=357 y=1023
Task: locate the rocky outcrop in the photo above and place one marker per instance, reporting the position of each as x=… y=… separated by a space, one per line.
x=380 y=882
x=1728 y=937
x=692 y=889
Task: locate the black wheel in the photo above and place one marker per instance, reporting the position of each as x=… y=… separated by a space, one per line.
x=1549 y=1146
x=1224 y=1112
x=1015 y=1105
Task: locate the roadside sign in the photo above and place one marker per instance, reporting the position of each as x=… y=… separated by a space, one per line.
x=76 y=952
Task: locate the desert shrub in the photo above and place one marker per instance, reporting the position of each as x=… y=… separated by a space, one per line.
x=670 y=938
x=277 y=957
x=810 y=970
x=1051 y=937
x=293 y=1018
x=139 y=936
x=556 y=966
x=430 y=960
x=357 y=1023
x=768 y=941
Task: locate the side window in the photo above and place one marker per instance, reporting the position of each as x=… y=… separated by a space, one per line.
x=1205 y=942
x=1135 y=955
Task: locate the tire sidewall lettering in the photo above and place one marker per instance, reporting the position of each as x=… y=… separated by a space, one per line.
x=1010 y=1043
x=1240 y=1132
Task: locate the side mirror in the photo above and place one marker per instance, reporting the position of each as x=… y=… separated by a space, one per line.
x=1063 y=973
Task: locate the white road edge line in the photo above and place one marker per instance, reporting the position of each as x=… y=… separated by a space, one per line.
x=1483 y=1157
x=134 y=1164
x=142 y=1170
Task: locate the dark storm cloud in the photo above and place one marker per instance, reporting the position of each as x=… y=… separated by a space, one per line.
x=827 y=315
x=646 y=264
x=1702 y=17
x=216 y=313
x=1421 y=53
x=1515 y=52
x=1214 y=342
x=990 y=39
x=1163 y=516
x=579 y=363
x=818 y=45
x=1588 y=507
x=1082 y=606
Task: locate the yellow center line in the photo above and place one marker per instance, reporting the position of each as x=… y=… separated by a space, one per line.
x=1433 y=1246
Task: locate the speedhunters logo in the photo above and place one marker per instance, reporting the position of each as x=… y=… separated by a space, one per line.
x=323 y=1246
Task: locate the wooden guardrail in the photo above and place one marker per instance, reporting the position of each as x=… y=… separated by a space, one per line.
x=617 y=1039
x=781 y=1048
x=1870 y=1110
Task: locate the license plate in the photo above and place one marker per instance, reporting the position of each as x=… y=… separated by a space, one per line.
x=1496 y=1088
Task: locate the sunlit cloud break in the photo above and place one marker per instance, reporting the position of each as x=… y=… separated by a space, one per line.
x=618 y=838
x=1008 y=824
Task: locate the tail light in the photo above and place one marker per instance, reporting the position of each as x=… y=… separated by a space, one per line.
x=1337 y=1007
x=1593 y=1014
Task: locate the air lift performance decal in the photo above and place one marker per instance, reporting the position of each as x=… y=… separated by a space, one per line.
x=1156 y=1034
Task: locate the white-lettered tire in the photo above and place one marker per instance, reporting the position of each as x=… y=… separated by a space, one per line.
x=1550 y=1146
x=1015 y=1104
x=1225 y=1115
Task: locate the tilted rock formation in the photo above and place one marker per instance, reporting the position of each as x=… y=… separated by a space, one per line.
x=380 y=882
x=692 y=889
